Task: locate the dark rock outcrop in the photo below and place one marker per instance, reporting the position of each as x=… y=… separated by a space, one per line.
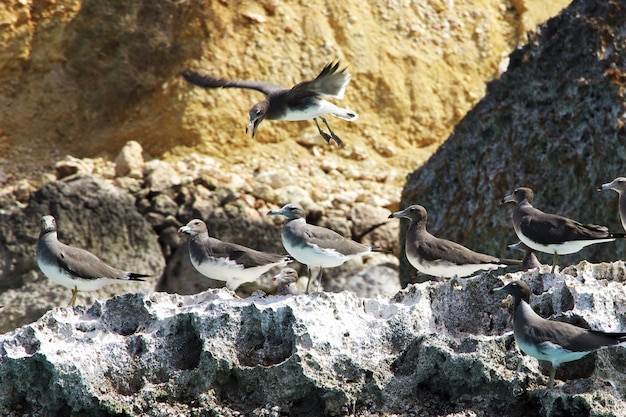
x=553 y=122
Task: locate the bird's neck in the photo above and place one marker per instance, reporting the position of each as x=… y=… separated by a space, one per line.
x=417 y=226
x=48 y=234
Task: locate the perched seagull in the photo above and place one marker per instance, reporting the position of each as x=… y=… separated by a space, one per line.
x=618 y=185
x=287 y=279
x=552 y=341
x=75 y=268
x=225 y=261
x=439 y=257
x=314 y=245
x=304 y=101
x=551 y=233
x=530 y=260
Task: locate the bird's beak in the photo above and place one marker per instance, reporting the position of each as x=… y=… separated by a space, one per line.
x=499 y=290
x=275 y=212
x=397 y=214
x=254 y=123
x=606 y=186
x=183 y=229
x=508 y=199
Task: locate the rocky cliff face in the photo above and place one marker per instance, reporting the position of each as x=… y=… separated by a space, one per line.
x=436 y=349
x=553 y=122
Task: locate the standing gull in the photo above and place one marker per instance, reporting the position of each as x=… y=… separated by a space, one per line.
x=225 y=261
x=75 y=268
x=618 y=185
x=439 y=257
x=551 y=233
x=304 y=101
x=314 y=245
x=552 y=341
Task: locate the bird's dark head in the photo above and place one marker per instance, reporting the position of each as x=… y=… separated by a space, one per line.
x=290 y=211
x=48 y=224
x=194 y=227
x=520 y=194
x=518 y=289
x=257 y=114
x=415 y=213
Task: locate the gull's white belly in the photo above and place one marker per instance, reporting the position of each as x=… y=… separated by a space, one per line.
x=448 y=270
x=565 y=248
x=63 y=278
x=224 y=269
x=315 y=256
x=551 y=352
x=320 y=108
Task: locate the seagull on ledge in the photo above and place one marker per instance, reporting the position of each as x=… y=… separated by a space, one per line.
x=224 y=261
x=440 y=257
x=553 y=341
x=619 y=186
x=315 y=245
x=551 y=233
x=75 y=268
x=304 y=101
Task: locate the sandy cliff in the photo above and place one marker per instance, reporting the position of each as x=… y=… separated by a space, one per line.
x=84 y=77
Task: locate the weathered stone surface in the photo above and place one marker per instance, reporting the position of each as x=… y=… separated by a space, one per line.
x=433 y=349
x=91 y=214
x=553 y=122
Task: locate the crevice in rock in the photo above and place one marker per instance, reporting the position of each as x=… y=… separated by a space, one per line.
x=183 y=343
x=266 y=338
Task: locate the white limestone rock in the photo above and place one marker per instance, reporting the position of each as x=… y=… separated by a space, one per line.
x=432 y=349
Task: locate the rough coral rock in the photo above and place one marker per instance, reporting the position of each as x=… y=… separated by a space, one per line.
x=433 y=349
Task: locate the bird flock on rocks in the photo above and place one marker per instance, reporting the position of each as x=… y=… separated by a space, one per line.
x=320 y=247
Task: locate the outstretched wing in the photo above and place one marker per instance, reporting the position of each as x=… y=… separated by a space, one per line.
x=208 y=81
x=329 y=82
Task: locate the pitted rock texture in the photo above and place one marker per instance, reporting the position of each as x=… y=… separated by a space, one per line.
x=322 y=354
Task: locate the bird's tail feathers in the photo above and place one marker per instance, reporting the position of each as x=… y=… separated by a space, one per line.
x=618 y=337
x=506 y=261
x=132 y=276
x=380 y=250
x=345 y=114
x=618 y=235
